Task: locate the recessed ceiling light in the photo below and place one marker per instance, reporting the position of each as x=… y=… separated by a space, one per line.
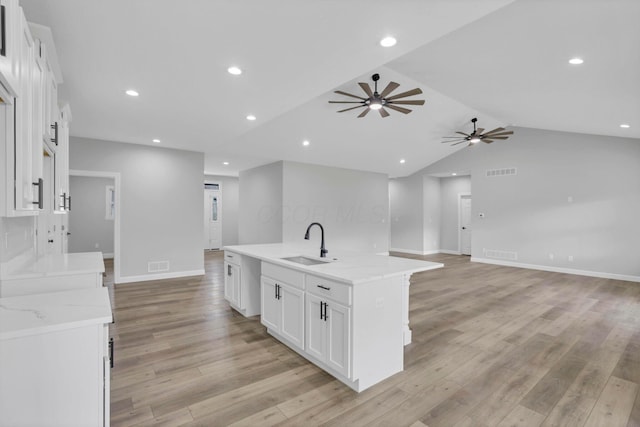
x=225 y=163
x=402 y=161
x=576 y=61
x=234 y=70
x=625 y=126
x=388 y=41
x=157 y=141
x=132 y=92
x=251 y=117
x=454 y=174
x=305 y=143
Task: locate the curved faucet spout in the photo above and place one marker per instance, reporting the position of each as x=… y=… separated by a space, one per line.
x=323 y=251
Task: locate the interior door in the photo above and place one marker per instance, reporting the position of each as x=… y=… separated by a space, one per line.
x=465 y=225
x=212 y=219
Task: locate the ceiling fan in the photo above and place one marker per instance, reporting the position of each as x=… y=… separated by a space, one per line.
x=477 y=135
x=380 y=101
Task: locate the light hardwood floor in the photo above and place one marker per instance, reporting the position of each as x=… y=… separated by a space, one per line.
x=493 y=346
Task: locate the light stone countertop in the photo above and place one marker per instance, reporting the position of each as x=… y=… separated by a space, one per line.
x=349 y=267
x=59 y=265
x=43 y=313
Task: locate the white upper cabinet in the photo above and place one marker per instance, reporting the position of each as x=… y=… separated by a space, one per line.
x=30 y=119
x=9 y=18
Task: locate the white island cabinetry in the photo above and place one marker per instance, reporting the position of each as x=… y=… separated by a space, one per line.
x=347 y=314
x=242 y=283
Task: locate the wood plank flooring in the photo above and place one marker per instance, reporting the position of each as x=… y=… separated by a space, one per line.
x=493 y=346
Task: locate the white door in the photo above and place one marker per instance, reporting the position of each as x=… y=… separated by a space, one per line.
x=465 y=225
x=292 y=326
x=212 y=219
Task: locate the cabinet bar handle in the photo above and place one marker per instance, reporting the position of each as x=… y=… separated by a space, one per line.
x=3 y=45
x=321 y=307
x=228 y=270
x=54 y=126
x=64 y=200
x=40 y=193
x=111 y=352
x=69 y=204
x=324 y=287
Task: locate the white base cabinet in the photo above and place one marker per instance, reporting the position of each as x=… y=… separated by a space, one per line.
x=283 y=310
x=242 y=283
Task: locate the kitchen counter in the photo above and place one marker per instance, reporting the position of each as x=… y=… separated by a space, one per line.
x=59 y=265
x=349 y=267
x=27 y=315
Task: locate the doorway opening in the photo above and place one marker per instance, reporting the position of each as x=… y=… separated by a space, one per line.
x=104 y=189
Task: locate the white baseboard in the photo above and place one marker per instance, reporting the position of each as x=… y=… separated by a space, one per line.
x=447 y=251
x=412 y=252
x=171 y=275
x=602 y=275
x=108 y=255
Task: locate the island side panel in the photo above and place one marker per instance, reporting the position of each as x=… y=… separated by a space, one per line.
x=378 y=338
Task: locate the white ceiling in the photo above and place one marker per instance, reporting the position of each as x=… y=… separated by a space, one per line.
x=503 y=61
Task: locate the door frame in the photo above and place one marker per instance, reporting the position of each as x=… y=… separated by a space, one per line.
x=460 y=196
x=116 y=225
x=220 y=215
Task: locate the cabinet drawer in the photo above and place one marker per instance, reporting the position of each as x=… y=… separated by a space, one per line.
x=339 y=292
x=232 y=257
x=286 y=275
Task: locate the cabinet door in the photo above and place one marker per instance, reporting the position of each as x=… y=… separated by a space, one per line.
x=270 y=304
x=292 y=325
x=23 y=116
x=8 y=36
x=232 y=283
x=315 y=328
x=338 y=337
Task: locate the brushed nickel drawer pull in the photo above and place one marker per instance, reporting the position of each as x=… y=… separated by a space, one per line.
x=324 y=287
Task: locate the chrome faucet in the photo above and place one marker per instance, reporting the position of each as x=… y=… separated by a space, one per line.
x=323 y=251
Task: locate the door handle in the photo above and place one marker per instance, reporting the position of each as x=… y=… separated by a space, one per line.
x=464 y=228
x=50 y=240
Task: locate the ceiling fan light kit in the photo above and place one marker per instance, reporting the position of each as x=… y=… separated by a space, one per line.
x=478 y=135
x=380 y=101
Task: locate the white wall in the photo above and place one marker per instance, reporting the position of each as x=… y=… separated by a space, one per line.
x=530 y=214
x=352 y=206
x=230 y=205
x=432 y=220
x=407 y=214
x=160 y=203
x=260 y=205
x=450 y=189
x=90 y=230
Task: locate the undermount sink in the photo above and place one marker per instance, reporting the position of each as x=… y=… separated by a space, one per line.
x=304 y=260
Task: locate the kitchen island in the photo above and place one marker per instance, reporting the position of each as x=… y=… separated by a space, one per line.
x=347 y=313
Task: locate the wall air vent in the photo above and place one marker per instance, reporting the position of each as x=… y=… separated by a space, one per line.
x=502 y=172
x=157 y=266
x=492 y=253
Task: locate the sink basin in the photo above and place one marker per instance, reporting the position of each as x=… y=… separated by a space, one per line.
x=304 y=260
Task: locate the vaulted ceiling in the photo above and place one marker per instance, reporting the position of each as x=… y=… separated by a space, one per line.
x=503 y=61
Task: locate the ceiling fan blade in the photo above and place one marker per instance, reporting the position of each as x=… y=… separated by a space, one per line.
x=488 y=141
x=383 y=112
x=401 y=109
x=456 y=137
x=416 y=102
x=366 y=88
x=496 y=130
x=390 y=88
x=499 y=134
x=415 y=91
x=459 y=142
x=496 y=137
x=465 y=134
x=364 y=113
x=348 y=94
x=345 y=102
x=352 y=108
x=479 y=131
